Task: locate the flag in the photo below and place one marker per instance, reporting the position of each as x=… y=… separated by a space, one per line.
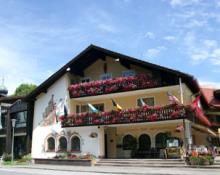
x=179 y=127
x=172 y=99
x=92 y=108
x=196 y=103
x=198 y=111
x=117 y=106
x=59 y=109
x=54 y=115
x=65 y=110
x=142 y=102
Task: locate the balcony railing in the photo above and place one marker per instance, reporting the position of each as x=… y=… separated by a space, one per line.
x=136 y=115
x=120 y=84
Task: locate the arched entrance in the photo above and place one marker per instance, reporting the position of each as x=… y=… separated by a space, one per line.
x=144 y=142
x=160 y=143
x=161 y=140
x=129 y=144
x=144 y=149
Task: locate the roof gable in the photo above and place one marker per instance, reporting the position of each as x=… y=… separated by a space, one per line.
x=92 y=53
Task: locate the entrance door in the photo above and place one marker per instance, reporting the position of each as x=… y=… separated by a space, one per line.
x=2 y=145
x=19 y=146
x=144 y=150
x=161 y=144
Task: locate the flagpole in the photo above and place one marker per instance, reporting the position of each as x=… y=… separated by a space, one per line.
x=184 y=123
x=181 y=90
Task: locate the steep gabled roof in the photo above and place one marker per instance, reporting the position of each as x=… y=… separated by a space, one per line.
x=92 y=53
x=208 y=94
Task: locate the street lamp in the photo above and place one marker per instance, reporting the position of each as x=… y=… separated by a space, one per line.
x=13 y=122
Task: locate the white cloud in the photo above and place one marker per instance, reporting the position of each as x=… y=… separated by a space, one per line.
x=154 y=52
x=217 y=2
x=107 y=28
x=175 y=3
x=200 y=55
x=215 y=56
x=100 y=19
x=149 y=35
x=209 y=84
x=210 y=43
x=169 y=38
x=202 y=50
x=15 y=68
x=195 y=23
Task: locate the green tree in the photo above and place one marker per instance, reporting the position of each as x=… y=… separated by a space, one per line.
x=24 y=89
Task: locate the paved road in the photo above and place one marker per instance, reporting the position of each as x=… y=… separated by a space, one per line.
x=19 y=171
x=109 y=171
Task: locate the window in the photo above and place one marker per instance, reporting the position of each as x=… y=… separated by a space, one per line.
x=85 y=108
x=128 y=73
x=100 y=107
x=129 y=142
x=173 y=142
x=75 y=143
x=3 y=121
x=62 y=144
x=77 y=109
x=3 y=115
x=144 y=142
x=85 y=79
x=161 y=140
x=51 y=144
x=21 y=119
x=148 y=101
x=106 y=76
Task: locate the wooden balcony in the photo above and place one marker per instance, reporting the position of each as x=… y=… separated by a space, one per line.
x=120 y=84
x=136 y=115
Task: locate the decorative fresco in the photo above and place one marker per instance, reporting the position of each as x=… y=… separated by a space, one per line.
x=53 y=111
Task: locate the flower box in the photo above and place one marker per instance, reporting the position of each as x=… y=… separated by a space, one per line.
x=134 y=115
x=119 y=84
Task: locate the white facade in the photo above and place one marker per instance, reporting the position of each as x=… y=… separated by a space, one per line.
x=44 y=127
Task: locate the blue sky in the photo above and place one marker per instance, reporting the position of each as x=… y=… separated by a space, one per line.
x=38 y=37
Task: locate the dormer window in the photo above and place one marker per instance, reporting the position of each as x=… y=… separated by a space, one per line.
x=106 y=76
x=128 y=73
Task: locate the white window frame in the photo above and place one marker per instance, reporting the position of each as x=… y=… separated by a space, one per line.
x=106 y=75
x=80 y=106
x=129 y=73
x=143 y=98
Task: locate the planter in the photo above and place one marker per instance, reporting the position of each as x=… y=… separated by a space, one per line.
x=200 y=160
x=77 y=162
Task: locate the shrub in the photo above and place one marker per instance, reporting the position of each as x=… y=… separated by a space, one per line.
x=27 y=158
x=6 y=157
